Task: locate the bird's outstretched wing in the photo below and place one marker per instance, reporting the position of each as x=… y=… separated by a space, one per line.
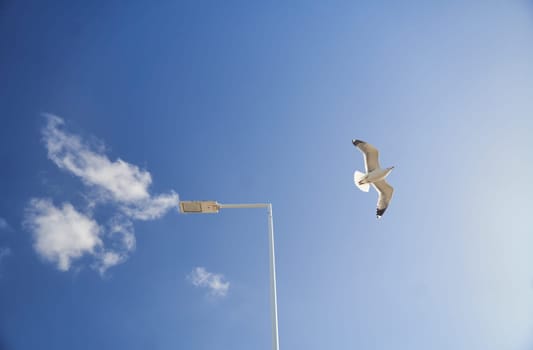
x=371 y=154
x=385 y=195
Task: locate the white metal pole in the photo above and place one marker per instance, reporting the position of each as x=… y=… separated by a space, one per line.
x=273 y=293
x=272 y=258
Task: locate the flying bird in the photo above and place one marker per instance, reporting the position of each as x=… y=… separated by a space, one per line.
x=374 y=176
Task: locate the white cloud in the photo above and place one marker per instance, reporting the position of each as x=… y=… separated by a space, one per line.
x=152 y=208
x=122 y=182
x=122 y=241
x=4 y=252
x=200 y=277
x=109 y=259
x=123 y=228
x=3 y=224
x=62 y=235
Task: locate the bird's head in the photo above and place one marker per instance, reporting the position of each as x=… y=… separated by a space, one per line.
x=355 y=142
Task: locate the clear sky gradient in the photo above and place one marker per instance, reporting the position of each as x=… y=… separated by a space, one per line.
x=110 y=110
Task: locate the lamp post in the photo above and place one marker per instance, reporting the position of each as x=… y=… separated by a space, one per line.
x=213 y=207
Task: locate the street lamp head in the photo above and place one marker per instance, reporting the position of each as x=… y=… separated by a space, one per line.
x=199 y=207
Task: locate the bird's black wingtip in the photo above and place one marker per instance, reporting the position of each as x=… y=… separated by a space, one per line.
x=380 y=212
x=356 y=142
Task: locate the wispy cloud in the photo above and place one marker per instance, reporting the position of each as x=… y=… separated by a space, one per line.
x=121 y=182
x=3 y=224
x=120 y=241
x=64 y=234
x=215 y=283
x=4 y=252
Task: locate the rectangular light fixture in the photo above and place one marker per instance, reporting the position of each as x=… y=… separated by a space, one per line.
x=199 y=207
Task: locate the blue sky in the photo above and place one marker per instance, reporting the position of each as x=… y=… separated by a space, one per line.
x=112 y=112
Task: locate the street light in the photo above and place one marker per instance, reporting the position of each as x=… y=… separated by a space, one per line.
x=213 y=207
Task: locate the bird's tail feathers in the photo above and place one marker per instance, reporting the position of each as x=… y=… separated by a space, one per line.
x=358 y=176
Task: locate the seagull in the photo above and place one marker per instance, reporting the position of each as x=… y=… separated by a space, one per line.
x=374 y=176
